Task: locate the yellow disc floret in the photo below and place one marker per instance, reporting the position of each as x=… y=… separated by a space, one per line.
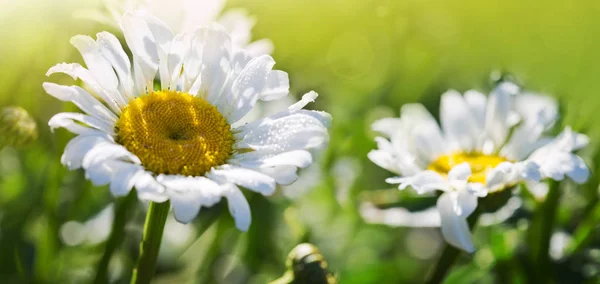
x=175 y=133
x=479 y=162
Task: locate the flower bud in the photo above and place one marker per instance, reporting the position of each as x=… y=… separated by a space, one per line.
x=306 y=264
x=17 y=127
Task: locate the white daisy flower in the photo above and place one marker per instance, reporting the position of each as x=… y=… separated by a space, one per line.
x=185 y=15
x=484 y=145
x=177 y=142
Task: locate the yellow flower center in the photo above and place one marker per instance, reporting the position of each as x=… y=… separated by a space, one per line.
x=480 y=164
x=175 y=133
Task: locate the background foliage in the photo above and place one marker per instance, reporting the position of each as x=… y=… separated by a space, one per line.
x=365 y=58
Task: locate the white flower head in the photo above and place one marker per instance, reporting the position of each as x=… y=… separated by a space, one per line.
x=177 y=140
x=186 y=15
x=484 y=144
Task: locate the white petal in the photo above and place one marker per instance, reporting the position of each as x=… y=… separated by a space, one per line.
x=79 y=146
x=386 y=160
x=260 y=47
x=423 y=182
x=477 y=103
x=500 y=176
x=82 y=99
x=114 y=53
x=99 y=174
x=249 y=179
x=296 y=158
x=458 y=122
x=278 y=86
x=466 y=203
x=238 y=206
x=246 y=89
x=455 y=228
x=388 y=126
x=426 y=134
x=140 y=39
x=108 y=151
x=68 y=120
x=124 y=178
x=284 y=175
x=307 y=98
x=297 y=131
x=206 y=192
x=179 y=48
x=461 y=172
x=100 y=68
x=239 y=24
x=497 y=114
x=578 y=171
x=149 y=189
x=214 y=43
x=111 y=97
x=537 y=114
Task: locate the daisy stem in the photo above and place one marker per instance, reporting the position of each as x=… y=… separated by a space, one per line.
x=152 y=236
x=449 y=255
x=541 y=232
x=585 y=231
x=117 y=234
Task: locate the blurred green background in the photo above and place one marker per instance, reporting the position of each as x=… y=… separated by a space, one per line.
x=365 y=59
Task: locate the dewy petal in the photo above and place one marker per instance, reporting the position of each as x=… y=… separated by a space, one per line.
x=296 y=158
x=458 y=122
x=277 y=86
x=238 y=206
x=246 y=89
x=455 y=228
x=249 y=179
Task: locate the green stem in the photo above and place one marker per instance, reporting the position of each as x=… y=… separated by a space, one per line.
x=123 y=209
x=449 y=255
x=153 y=231
x=287 y=278
x=541 y=232
x=584 y=232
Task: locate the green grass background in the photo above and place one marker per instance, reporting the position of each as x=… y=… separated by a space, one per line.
x=365 y=59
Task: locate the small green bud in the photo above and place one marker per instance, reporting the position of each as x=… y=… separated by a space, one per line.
x=306 y=264
x=17 y=127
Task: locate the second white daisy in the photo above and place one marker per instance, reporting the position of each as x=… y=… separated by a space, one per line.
x=484 y=144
